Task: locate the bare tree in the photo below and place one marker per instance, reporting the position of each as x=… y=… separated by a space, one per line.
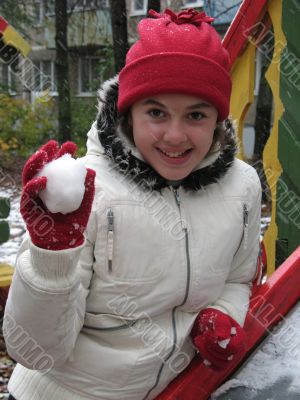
x=62 y=71
x=154 y=5
x=119 y=30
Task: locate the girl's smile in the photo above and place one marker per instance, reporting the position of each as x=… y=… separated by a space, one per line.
x=175 y=157
x=173 y=132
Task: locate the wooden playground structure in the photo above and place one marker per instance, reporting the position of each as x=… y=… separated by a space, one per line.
x=281 y=290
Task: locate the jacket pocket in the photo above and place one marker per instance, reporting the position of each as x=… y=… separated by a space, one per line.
x=105 y=353
x=133 y=246
x=98 y=364
x=106 y=322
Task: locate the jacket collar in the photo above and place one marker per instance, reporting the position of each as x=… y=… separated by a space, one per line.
x=128 y=161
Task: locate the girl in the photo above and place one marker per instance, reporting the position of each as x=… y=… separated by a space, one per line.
x=116 y=298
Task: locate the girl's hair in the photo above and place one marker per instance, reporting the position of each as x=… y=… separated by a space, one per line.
x=219 y=134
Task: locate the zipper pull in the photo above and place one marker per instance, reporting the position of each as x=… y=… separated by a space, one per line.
x=245 y=213
x=177 y=197
x=110 y=237
x=246 y=223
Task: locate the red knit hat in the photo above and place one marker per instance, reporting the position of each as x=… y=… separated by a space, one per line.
x=176 y=53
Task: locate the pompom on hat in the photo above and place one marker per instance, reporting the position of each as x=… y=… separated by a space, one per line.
x=177 y=53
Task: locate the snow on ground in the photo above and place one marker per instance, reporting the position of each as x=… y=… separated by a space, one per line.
x=9 y=249
x=273 y=372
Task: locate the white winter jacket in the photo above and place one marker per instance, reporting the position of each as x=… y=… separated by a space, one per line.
x=111 y=319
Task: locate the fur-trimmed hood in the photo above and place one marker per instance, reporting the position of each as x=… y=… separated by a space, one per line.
x=118 y=148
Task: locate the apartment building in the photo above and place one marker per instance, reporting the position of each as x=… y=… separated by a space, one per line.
x=89 y=41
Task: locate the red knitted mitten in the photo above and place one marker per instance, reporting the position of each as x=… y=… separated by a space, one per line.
x=53 y=231
x=218 y=337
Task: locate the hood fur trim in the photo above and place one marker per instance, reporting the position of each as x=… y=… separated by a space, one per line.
x=129 y=162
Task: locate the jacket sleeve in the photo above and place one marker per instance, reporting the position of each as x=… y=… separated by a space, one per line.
x=234 y=299
x=46 y=304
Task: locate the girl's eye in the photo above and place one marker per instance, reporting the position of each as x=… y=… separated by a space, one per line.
x=155 y=113
x=196 y=115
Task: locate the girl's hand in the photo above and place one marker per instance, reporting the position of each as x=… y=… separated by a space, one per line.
x=218 y=337
x=53 y=231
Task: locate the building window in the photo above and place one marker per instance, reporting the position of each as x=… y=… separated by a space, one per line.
x=104 y=3
x=98 y=4
x=192 y=3
x=138 y=7
x=8 y=79
x=38 y=12
x=82 y=5
x=44 y=76
x=89 y=75
x=49 y=7
x=76 y=6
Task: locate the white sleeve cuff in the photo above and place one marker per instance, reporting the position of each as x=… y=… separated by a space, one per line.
x=48 y=269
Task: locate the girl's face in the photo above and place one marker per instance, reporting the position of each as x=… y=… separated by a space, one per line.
x=173 y=132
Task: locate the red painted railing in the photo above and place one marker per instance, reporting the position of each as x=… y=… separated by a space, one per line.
x=269 y=303
x=244 y=25
x=3 y=24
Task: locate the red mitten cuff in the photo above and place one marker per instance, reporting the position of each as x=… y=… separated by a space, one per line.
x=218 y=337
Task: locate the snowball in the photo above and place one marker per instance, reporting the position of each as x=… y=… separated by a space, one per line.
x=224 y=343
x=65 y=184
x=233 y=331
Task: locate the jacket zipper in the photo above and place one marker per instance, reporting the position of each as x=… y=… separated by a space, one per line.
x=245 y=227
x=110 y=237
x=187 y=252
x=245 y=224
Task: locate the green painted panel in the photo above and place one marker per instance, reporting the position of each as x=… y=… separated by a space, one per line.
x=289 y=152
x=290 y=21
x=288 y=187
x=288 y=213
x=4 y=207
x=290 y=96
x=281 y=252
x=4 y=232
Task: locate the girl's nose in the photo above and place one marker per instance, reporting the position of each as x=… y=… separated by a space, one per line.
x=175 y=133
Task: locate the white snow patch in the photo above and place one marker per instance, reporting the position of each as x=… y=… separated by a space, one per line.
x=9 y=249
x=65 y=184
x=233 y=331
x=278 y=357
x=233 y=383
x=224 y=343
x=207 y=363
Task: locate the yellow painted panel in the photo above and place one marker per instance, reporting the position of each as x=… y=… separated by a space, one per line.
x=271 y=163
x=242 y=90
x=6 y=273
x=13 y=38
